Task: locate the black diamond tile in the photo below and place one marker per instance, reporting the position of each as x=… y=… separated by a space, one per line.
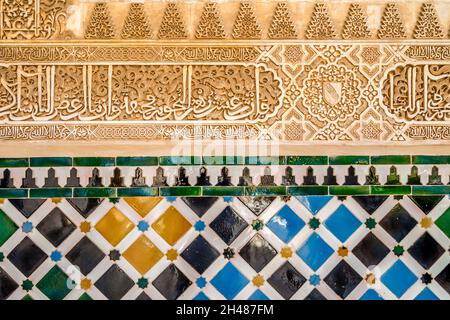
x=370 y=250
x=7 y=285
x=426 y=203
x=85 y=206
x=426 y=250
x=258 y=252
x=27 y=206
x=257 y=205
x=56 y=227
x=343 y=279
x=27 y=257
x=200 y=205
x=286 y=280
x=86 y=255
x=370 y=203
x=115 y=283
x=228 y=225
x=171 y=282
x=315 y=295
x=443 y=278
x=398 y=223
x=200 y=254
x=143 y=296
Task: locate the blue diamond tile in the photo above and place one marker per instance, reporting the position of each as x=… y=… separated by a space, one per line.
x=285 y=224
x=371 y=295
x=398 y=278
x=314 y=203
x=426 y=294
x=342 y=223
x=315 y=251
x=229 y=289
x=201 y=296
x=258 y=295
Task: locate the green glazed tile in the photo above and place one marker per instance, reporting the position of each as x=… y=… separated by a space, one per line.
x=260 y=160
x=180 y=191
x=51 y=162
x=27 y=298
x=13 y=162
x=306 y=160
x=51 y=193
x=390 y=159
x=223 y=160
x=137 y=192
x=349 y=190
x=395 y=190
x=443 y=222
x=431 y=159
x=94 y=162
x=7 y=228
x=13 y=193
x=136 y=161
x=94 y=192
x=307 y=190
x=349 y=160
x=54 y=284
x=266 y=191
x=85 y=297
x=176 y=160
x=428 y=190
x=223 y=191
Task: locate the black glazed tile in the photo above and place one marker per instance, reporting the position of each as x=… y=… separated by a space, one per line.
x=315 y=295
x=143 y=296
x=370 y=203
x=115 y=283
x=257 y=205
x=27 y=257
x=171 y=283
x=398 y=223
x=286 y=280
x=86 y=255
x=443 y=278
x=28 y=181
x=85 y=206
x=426 y=203
x=7 y=181
x=370 y=250
x=7 y=285
x=27 y=206
x=343 y=279
x=200 y=205
x=51 y=181
x=258 y=252
x=426 y=250
x=228 y=225
x=56 y=227
x=200 y=254
x=73 y=181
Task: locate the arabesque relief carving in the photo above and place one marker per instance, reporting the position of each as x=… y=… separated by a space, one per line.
x=295 y=71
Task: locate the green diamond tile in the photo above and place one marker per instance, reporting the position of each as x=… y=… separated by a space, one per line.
x=443 y=222
x=54 y=284
x=7 y=227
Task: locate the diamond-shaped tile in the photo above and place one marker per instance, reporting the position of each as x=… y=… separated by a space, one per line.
x=143 y=205
x=229 y=289
x=258 y=252
x=443 y=222
x=171 y=282
x=27 y=206
x=426 y=294
x=371 y=295
x=370 y=250
x=257 y=205
x=228 y=225
x=27 y=257
x=7 y=228
x=342 y=223
x=115 y=283
x=114 y=226
x=7 y=285
x=200 y=254
x=85 y=255
x=426 y=203
x=343 y=279
x=426 y=250
x=56 y=227
x=314 y=203
x=143 y=254
x=315 y=251
x=171 y=225
x=286 y=280
x=285 y=224
x=54 y=284
x=443 y=278
x=258 y=295
x=85 y=206
x=370 y=203
x=315 y=295
x=143 y=296
x=398 y=278
x=398 y=223
x=200 y=205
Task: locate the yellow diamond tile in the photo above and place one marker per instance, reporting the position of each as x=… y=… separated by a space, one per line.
x=142 y=205
x=171 y=225
x=143 y=254
x=114 y=226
